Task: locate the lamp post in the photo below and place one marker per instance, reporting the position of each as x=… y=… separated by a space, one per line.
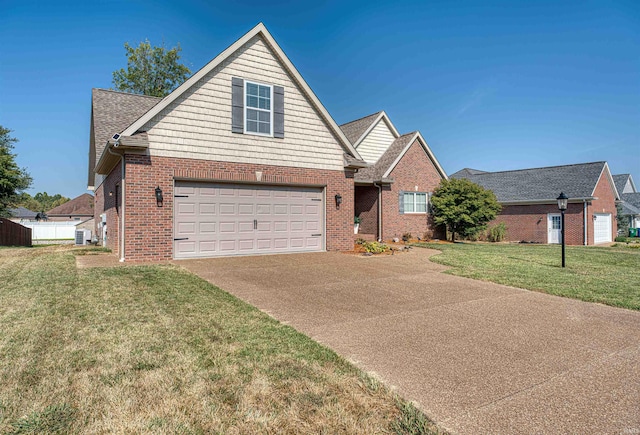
x=562 y=205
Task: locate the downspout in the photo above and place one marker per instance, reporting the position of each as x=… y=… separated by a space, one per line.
x=379 y=186
x=584 y=214
x=122 y=196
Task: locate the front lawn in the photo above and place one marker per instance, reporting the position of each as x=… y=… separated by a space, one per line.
x=154 y=349
x=595 y=274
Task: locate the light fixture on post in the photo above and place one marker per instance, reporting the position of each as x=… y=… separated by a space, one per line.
x=562 y=206
x=159 y=198
x=338 y=200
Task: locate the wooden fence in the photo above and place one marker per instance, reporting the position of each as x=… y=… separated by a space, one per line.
x=13 y=234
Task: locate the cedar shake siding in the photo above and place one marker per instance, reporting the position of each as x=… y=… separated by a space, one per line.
x=198 y=124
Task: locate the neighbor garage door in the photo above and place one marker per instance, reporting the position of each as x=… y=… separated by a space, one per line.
x=212 y=220
x=602 y=228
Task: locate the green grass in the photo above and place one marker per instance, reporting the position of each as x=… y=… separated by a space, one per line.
x=154 y=349
x=608 y=275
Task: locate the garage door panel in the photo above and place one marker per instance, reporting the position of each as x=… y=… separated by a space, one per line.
x=225 y=219
x=602 y=228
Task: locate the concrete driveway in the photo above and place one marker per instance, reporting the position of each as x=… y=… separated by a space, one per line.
x=477 y=357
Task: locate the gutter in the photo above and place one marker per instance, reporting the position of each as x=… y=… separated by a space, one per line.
x=584 y=214
x=122 y=195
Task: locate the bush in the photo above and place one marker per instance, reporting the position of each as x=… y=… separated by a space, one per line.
x=375 y=247
x=406 y=237
x=497 y=233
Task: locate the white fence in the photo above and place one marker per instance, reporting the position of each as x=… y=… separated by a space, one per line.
x=54 y=231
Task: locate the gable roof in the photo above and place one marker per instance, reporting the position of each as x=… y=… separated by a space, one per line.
x=79 y=206
x=621 y=180
x=542 y=185
x=112 y=112
x=381 y=170
x=356 y=131
x=258 y=30
x=22 y=213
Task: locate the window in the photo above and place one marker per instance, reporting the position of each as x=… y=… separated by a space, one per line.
x=415 y=202
x=258 y=108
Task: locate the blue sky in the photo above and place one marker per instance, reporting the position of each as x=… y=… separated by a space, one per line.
x=491 y=85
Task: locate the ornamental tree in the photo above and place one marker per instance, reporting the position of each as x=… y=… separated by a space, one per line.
x=153 y=71
x=463 y=206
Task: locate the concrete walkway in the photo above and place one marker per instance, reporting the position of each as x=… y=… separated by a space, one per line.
x=478 y=357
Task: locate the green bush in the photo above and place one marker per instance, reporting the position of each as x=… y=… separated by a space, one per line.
x=497 y=233
x=375 y=247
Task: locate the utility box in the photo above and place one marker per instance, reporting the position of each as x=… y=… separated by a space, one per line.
x=83 y=237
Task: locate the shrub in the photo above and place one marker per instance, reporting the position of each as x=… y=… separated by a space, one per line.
x=375 y=247
x=406 y=237
x=497 y=233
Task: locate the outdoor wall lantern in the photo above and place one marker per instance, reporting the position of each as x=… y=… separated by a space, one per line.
x=338 y=200
x=159 y=197
x=562 y=206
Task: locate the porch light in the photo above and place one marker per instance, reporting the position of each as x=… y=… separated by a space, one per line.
x=562 y=205
x=159 y=198
x=338 y=200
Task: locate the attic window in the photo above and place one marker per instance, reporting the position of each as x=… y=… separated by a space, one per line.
x=259 y=113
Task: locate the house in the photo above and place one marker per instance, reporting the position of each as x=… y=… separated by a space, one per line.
x=240 y=159
x=630 y=198
x=79 y=208
x=21 y=214
x=392 y=194
x=530 y=211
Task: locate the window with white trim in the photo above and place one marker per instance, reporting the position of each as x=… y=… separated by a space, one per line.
x=415 y=202
x=258 y=108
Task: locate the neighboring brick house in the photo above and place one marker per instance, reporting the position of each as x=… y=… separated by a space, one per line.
x=630 y=198
x=240 y=159
x=530 y=210
x=392 y=195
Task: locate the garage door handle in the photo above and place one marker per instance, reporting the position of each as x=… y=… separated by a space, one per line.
x=255 y=224
x=316 y=235
x=184 y=238
x=181 y=196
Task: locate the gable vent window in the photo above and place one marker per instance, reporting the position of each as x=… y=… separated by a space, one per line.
x=257 y=108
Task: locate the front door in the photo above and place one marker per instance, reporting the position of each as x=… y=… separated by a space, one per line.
x=553 y=228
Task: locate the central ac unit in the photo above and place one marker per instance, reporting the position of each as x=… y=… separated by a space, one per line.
x=83 y=237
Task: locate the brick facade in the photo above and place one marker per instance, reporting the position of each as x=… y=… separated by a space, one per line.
x=529 y=222
x=414 y=172
x=149 y=228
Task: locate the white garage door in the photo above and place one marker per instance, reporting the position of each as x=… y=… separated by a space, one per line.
x=602 y=227
x=212 y=220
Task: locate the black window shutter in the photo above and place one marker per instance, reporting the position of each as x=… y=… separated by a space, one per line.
x=237 y=105
x=401 y=201
x=278 y=111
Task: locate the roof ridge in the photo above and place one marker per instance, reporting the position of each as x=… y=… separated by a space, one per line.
x=542 y=167
x=126 y=93
x=361 y=118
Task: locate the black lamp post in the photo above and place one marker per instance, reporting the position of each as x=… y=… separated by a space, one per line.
x=562 y=205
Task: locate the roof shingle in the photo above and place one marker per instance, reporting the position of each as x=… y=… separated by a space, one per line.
x=375 y=172
x=540 y=184
x=354 y=129
x=79 y=206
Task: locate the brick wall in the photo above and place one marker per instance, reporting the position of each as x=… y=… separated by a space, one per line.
x=414 y=172
x=106 y=203
x=149 y=228
x=529 y=222
x=366 y=206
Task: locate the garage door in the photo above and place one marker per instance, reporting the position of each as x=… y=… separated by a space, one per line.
x=602 y=227
x=212 y=220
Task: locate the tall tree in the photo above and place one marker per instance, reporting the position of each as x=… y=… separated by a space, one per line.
x=13 y=179
x=463 y=206
x=153 y=71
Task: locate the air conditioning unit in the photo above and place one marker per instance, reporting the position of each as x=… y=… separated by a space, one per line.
x=83 y=237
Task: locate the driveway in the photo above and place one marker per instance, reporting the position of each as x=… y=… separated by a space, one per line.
x=477 y=357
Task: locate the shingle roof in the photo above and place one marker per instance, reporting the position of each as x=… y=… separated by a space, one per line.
x=79 y=206
x=630 y=203
x=539 y=184
x=354 y=129
x=376 y=171
x=22 y=213
x=466 y=172
x=112 y=112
